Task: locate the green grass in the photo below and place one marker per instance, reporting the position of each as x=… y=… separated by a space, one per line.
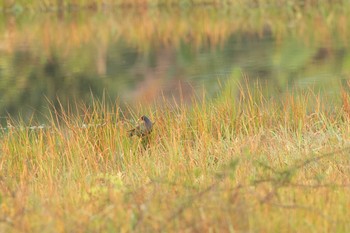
x=242 y=162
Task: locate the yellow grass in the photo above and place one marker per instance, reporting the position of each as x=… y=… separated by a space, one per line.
x=144 y=28
x=242 y=162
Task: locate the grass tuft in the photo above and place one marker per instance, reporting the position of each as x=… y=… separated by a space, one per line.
x=226 y=164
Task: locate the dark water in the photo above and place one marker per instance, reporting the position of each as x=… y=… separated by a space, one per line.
x=141 y=56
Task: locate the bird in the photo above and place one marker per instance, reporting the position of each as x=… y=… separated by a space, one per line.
x=143 y=129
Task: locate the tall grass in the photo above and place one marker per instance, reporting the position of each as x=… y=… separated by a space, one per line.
x=171 y=27
x=242 y=162
x=93 y=4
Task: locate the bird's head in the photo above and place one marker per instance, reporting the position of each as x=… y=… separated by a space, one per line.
x=145 y=119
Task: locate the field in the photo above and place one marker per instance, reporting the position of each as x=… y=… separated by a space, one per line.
x=241 y=162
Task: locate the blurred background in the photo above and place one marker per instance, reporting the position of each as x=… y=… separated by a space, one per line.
x=142 y=51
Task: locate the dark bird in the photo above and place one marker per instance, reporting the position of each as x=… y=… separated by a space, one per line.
x=144 y=128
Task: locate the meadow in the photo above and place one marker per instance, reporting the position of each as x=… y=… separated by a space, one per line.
x=243 y=161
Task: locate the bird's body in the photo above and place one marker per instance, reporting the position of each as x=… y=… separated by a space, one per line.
x=143 y=129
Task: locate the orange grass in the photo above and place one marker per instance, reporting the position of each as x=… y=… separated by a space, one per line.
x=144 y=28
x=242 y=162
